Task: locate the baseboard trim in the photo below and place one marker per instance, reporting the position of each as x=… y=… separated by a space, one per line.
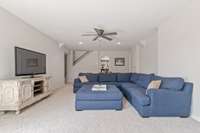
x=195 y=118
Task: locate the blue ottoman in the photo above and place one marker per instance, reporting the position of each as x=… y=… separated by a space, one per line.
x=86 y=99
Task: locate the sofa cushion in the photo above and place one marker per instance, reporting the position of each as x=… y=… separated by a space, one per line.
x=92 y=77
x=128 y=85
x=111 y=77
x=134 y=77
x=123 y=77
x=90 y=83
x=171 y=83
x=138 y=95
x=111 y=83
x=144 y=80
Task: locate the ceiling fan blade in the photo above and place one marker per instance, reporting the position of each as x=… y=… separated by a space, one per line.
x=92 y=34
x=111 y=33
x=107 y=38
x=99 y=31
x=95 y=38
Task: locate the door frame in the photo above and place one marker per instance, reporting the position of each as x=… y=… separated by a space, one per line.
x=65 y=67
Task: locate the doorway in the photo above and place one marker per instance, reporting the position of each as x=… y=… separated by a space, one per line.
x=65 y=67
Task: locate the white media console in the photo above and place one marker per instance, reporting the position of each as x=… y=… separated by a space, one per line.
x=19 y=93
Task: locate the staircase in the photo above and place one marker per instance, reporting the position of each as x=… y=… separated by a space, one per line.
x=78 y=55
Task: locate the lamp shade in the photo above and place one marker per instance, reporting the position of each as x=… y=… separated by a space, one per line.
x=105 y=58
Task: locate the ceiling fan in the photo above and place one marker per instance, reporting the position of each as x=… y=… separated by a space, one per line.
x=100 y=33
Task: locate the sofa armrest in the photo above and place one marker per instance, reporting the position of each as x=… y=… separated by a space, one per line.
x=172 y=102
x=77 y=84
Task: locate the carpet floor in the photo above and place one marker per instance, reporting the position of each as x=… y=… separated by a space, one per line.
x=56 y=114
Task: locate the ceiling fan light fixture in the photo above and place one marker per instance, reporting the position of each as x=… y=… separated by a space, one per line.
x=101 y=34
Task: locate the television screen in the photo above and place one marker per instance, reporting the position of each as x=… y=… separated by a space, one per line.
x=28 y=62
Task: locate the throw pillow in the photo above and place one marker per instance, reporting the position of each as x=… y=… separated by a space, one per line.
x=83 y=79
x=155 y=84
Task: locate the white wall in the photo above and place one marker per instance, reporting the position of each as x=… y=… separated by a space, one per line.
x=133 y=60
x=179 y=49
x=149 y=54
x=91 y=63
x=115 y=54
x=14 y=32
x=146 y=54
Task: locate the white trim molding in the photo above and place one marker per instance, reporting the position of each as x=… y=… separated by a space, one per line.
x=197 y=118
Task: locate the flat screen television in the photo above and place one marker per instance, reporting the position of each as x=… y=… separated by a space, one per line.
x=29 y=62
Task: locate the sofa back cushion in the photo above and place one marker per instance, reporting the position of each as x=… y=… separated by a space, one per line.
x=111 y=77
x=172 y=83
x=92 y=77
x=134 y=77
x=123 y=77
x=144 y=80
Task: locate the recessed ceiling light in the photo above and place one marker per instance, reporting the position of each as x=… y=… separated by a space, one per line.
x=61 y=44
x=118 y=43
x=80 y=43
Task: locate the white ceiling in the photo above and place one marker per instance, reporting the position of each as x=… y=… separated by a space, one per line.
x=66 y=20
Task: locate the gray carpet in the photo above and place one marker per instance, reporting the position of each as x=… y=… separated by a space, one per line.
x=56 y=115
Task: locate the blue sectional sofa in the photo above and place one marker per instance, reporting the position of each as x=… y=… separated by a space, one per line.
x=172 y=99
